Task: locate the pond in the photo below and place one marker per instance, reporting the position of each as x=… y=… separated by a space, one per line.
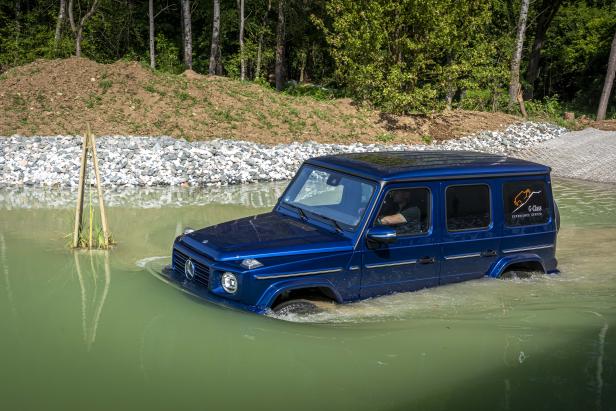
x=101 y=331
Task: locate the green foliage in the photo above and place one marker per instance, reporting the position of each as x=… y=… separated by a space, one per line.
x=379 y=59
x=402 y=56
x=385 y=137
x=93 y=100
x=427 y=139
x=548 y=108
x=167 y=55
x=576 y=52
x=312 y=90
x=105 y=84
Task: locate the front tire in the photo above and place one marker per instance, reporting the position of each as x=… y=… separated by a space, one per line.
x=297 y=307
x=520 y=274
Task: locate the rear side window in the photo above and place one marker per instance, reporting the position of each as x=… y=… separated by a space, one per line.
x=407 y=210
x=525 y=203
x=468 y=207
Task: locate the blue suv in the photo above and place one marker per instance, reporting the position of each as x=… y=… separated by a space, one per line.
x=360 y=225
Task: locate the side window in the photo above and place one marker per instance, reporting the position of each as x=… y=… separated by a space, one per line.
x=468 y=207
x=525 y=203
x=407 y=210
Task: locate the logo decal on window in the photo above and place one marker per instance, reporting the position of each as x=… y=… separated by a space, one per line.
x=525 y=203
x=522 y=198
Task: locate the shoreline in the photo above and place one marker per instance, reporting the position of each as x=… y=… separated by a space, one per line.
x=128 y=161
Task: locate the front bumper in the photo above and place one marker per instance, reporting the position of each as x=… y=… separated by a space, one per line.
x=194 y=289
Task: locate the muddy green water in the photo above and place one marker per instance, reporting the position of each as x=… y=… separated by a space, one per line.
x=97 y=332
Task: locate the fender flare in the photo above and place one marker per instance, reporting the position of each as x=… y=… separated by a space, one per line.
x=275 y=289
x=501 y=265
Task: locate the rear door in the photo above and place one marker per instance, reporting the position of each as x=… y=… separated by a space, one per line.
x=412 y=261
x=529 y=225
x=471 y=239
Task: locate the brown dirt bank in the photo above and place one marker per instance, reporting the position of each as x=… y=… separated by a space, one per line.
x=49 y=97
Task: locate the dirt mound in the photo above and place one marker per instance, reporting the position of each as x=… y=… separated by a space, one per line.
x=191 y=74
x=50 y=97
x=605 y=125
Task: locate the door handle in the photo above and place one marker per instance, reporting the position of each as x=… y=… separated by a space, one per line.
x=489 y=253
x=426 y=260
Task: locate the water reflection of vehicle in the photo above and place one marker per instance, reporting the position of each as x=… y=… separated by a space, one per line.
x=354 y=226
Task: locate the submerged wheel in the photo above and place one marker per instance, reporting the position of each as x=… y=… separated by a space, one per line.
x=520 y=274
x=298 y=307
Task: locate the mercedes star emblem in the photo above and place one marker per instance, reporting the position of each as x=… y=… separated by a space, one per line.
x=189 y=270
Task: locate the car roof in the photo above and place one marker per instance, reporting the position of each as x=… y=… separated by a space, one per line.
x=427 y=165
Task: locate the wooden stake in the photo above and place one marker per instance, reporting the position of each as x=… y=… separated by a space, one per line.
x=79 y=208
x=101 y=203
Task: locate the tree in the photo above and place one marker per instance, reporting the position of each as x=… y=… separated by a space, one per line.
x=547 y=11
x=61 y=18
x=78 y=27
x=152 y=35
x=262 y=30
x=515 y=92
x=280 y=43
x=186 y=33
x=609 y=81
x=215 y=48
x=242 y=57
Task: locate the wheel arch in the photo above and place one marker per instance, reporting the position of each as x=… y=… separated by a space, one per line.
x=274 y=291
x=521 y=260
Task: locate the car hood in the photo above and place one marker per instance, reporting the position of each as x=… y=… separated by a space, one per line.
x=264 y=235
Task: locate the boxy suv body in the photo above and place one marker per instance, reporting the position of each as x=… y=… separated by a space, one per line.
x=359 y=225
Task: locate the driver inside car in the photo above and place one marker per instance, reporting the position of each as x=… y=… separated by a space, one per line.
x=398 y=209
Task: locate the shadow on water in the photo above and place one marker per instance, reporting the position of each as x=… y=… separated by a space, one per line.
x=540 y=381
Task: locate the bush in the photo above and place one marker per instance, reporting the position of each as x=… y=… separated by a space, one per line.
x=167 y=55
x=548 y=108
x=311 y=90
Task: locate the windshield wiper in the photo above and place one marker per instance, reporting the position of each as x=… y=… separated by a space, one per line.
x=333 y=222
x=300 y=211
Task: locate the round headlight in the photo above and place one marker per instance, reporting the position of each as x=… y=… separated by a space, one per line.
x=229 y=282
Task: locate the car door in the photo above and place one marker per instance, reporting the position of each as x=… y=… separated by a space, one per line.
x=412 y=261
x=470 y=238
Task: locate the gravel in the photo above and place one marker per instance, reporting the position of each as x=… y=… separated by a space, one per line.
x=588 y=154
x=157 y=161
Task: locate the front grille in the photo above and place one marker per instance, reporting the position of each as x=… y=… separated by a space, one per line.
x=202 y=271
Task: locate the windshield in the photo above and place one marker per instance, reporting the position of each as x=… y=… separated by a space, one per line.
x=329 y=194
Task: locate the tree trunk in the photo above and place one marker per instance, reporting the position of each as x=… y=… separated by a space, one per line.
x=17 y=29
x=78 y=38
x=260 y=47
x=214 y=52
x=280 y=37
x=242 y=59
x=302 y=69
x=61 y=17
x=514 y=84
x=241 y=39
x=547 y=12
x=609 y=81
x=17 y=18
x=187 y=33
x=151 y=20
x=78 y=27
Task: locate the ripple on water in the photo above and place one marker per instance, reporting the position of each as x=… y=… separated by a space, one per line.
x=470 y=299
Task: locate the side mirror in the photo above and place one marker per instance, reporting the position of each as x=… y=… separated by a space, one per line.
x=381 y=235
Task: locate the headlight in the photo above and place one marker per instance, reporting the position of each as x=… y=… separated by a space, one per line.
x=229 y=282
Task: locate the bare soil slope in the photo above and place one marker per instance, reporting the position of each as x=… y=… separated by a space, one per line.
x=49 y=97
